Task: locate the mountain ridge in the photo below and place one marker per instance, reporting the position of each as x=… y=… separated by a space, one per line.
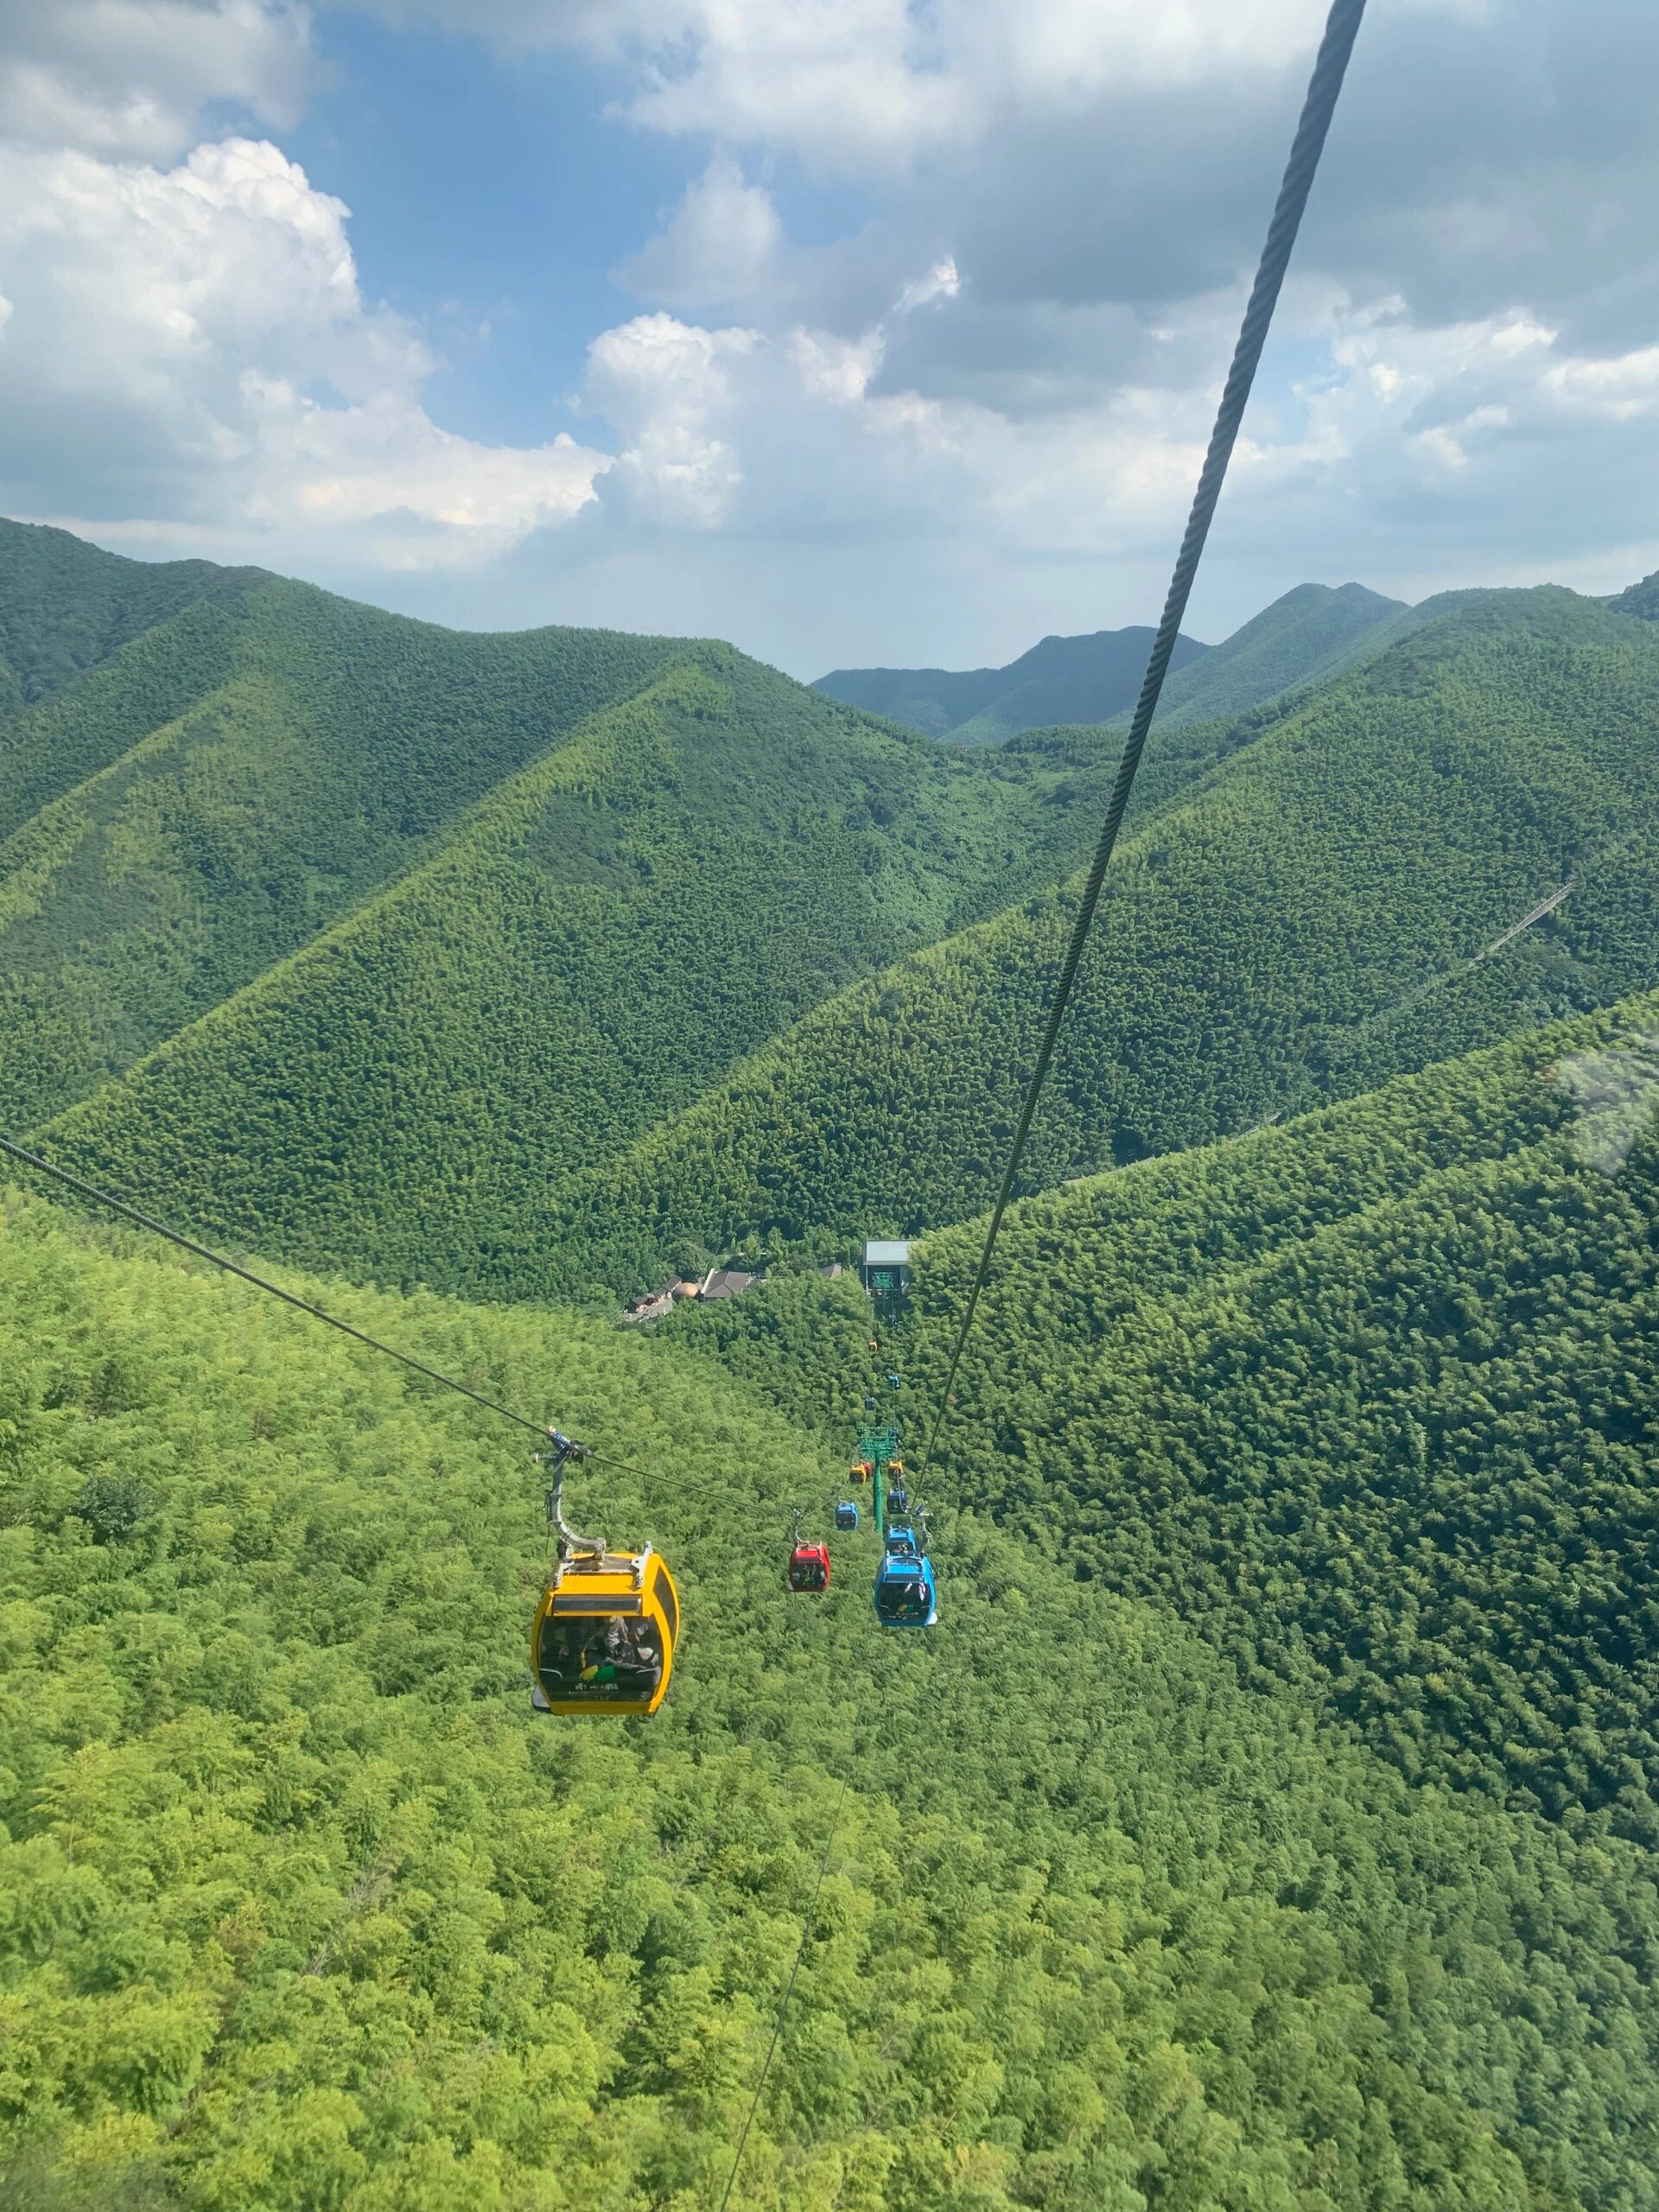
x=66 y=605
x=1059 y=680
x=1237 y=969
x=1306 y=636
x=1270 y=932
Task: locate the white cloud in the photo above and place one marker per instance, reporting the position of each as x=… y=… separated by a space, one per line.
x=132 y=77
x=193 y=343
x=123 y=274
x=1620 y=388
x=847 y=82
x=722 y=243
x=433 y=499
x=988 y=394
x=786 y=435
x=673 y=390
x=800 y=438
x=942 y=282
x=1488 y=385
x=834 y=370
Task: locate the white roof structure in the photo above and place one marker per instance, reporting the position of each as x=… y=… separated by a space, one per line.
x=880 y=1254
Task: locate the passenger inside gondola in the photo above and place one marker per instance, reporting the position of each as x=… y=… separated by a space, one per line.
x=603 y=1657
x=808 y=1567
x=905 y=1599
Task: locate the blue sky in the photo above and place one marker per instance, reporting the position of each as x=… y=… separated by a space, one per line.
x=500 y=193
x=853 y=330
x=486 y=197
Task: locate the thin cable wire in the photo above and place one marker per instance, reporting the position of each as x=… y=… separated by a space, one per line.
x=1580 y=879
x=1341 y=27
x=789 y=1988
x=289 y=1298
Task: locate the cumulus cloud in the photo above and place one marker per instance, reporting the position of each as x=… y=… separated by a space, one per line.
x=723 y=242
x=1097 y=180
x=674 y=391
x=945 y=299
x=850 y=82
x=419 y=496
x=134 y=76
x=796 y=432
x=191 y=344
x=803 y=438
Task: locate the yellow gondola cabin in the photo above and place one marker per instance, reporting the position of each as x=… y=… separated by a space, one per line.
x=602 y=1642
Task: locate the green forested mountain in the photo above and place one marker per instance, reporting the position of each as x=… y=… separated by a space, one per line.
x=495 y=1080
x=1267 y=1825
x=611 y=930
x=249 y=773
x=1369 y=1398
x=302 y=1908
x=1309 y=635
x=1060 y=680
x=1298 y=922
x=236 y=779
x=66 y=606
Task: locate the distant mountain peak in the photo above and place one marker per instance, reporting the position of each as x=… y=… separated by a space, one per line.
x=1060 y=680
x=1306 y=635
x=1307 y=632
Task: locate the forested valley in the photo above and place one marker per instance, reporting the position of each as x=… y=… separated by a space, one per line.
x=1267 y=1825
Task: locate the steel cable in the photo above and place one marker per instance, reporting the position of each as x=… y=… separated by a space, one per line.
x=789 y=1989
x=107 y=1199
x=1336 y=46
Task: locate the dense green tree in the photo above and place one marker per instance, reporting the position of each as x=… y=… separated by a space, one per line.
x=66 y=606
x=1306 y=636
x=550 y=1058
x=299 y=1906
x=1368 y=1397
x=1300 y=921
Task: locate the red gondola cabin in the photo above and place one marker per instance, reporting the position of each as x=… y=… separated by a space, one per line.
x=809 y=1568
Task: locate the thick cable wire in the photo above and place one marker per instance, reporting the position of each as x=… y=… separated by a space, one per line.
x=1341 y=27
x=289 y=1298
x=789 y=1988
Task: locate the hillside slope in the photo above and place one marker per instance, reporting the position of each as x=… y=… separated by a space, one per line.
x=262 y=766
x=607 y=935
x=1641 y=599
x=1061 y=680
x=234 y=781
x=1370 y=1399
x=1298 y=923
x=521 y=1081
x=66 y=606
x=304 y=1907
x=1307 y=637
